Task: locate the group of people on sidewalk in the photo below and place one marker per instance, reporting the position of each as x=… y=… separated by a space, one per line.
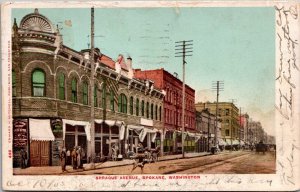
x=74 y=157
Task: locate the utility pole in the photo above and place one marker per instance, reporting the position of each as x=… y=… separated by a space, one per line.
x=185 y=50
x=92 y=119
x=217 y=86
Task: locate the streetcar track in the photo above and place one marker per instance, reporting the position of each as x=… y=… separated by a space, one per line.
x=217 y=164
x=210 y=164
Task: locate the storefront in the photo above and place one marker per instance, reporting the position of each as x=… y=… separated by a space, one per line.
x=168 y=142
x=76 y=133
x=109 y=134
x=40 y=134
x=145 y=133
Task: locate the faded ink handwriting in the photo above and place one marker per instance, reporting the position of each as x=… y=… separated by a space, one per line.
x=254 y=180
x=79 y=183
x=286 y=41
x=287 y=77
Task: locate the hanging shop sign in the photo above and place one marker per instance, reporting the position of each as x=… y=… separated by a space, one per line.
x=57 y=127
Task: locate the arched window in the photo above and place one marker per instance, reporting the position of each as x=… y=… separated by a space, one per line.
x=38 y=83
x=85 y=91
x=137 y=107
x=61 y=86
x=122 y=103
x=143 y=108
x=160 y=113
x=152 y=111
x=155 y=112
x=112 y=101
x=131 y=105
x=14 y=91
x=147 y=110
x=74 y=90
x=104 y=95
x=95 y=96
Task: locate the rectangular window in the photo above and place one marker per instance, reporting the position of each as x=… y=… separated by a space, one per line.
x=95 y=96
x=131 y=106
x=160 y=113
x=151 y=111
x=112 y=101
x=143 y=108
x=137 y=107
x=38 y=83
x=227 y=132
x=227 y=112
x=74 y=91
x=85 y=93
x=61 y=86
x=104 y=96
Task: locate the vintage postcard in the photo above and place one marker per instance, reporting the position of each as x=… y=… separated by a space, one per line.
x=150 y=95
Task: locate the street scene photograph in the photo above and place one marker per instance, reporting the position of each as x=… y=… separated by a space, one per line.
x=144 y=90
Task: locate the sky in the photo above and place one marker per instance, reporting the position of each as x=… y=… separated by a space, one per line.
x=233 y=45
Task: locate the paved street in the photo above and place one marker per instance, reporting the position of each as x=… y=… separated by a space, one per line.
x=239 y=162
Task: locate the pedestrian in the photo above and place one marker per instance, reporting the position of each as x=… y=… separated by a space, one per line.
x=63 y=156
x=114 y=152
x=68 y=157
x=23 y=155
x=82 y=156
x=140 y=158
x=78 y=153
x=74 y=158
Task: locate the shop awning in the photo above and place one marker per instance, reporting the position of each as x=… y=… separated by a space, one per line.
x=85 y=124
x=111 y=123
x=145 y=131
x=228 y=141
x=221 y=141
x=136 y=128
x=40 y=130
x=235 y=142
x=142 y=131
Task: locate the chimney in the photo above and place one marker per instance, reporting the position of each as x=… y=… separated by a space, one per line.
x=129 y=67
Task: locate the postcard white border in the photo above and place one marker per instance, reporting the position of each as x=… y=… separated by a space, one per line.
x=287 y=150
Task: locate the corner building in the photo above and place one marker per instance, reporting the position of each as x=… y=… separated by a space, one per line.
x=52 y=96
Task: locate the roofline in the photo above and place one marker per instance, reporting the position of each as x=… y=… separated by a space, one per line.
x=168 y=73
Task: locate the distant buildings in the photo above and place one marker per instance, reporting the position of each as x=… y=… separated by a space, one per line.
x=244 y=123
x=256 y=132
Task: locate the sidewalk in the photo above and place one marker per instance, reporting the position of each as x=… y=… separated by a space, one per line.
x=56 y=170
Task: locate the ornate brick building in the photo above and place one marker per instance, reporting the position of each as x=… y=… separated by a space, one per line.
x=173 y=107
x=52 y=96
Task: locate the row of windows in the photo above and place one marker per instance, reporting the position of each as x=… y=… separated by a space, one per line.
x=174 y=118
x=38 y=90
x=176 y=98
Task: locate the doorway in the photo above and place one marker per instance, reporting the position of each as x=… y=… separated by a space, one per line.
x=39 y=153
